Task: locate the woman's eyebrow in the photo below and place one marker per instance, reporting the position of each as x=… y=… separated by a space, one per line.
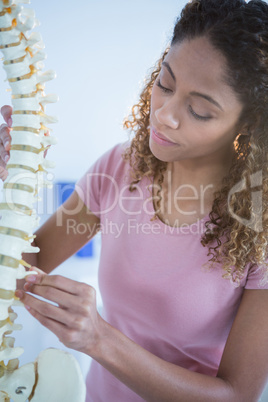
x=193 y=93
x=169 y=69
x=208 y=98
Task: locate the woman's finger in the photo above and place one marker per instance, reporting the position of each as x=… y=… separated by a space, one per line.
x=55 y=326
x=45 y=309
x=60 y=282
x=63 y=299
x=67 y=336
x=5 y=140
x=5 y=136
x=38 y=270
x=6 y=112
x=3 y=173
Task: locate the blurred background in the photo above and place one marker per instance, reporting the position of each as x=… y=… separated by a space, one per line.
x=101 y=51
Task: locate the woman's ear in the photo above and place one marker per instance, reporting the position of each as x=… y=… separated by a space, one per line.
x=244 y=130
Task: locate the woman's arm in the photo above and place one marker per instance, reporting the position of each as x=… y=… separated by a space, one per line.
x=60 y=237
x=242 y=373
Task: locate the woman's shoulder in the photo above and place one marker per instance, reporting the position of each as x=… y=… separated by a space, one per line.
x=257 y=276
x=111 y=160
x=110 y=167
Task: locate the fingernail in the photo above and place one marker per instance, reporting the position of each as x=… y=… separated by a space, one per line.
x=9 y=122
x=6 y=158
x=30 y=278
x=6 y=144
x=28 y=308
x=19 y=294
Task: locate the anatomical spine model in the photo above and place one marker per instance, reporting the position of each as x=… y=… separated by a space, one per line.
x=55 y=375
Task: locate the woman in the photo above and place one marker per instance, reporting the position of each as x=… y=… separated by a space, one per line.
x=172 y=329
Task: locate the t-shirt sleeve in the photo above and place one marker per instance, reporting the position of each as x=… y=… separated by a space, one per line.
x=257 y=277
x=91 y=187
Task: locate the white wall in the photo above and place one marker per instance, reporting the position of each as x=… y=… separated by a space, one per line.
x=101 y=51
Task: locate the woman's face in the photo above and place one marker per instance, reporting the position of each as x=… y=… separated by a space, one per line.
x=194 y=113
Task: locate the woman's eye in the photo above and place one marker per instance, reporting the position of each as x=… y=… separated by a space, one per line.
x=158 y=83
x=197 y=116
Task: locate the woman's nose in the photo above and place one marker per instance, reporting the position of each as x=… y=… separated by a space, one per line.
x=167 y=115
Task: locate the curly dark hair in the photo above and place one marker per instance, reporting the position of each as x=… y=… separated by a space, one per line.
x=239 y=30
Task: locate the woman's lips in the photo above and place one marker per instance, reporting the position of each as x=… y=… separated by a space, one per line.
x=160 y=139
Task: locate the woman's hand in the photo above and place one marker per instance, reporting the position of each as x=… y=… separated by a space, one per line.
x=5 y=140
x=74 y=319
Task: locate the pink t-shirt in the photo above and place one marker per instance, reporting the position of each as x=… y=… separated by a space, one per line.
x=153 y=286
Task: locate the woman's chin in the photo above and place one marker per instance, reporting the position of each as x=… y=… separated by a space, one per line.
x=161 y=153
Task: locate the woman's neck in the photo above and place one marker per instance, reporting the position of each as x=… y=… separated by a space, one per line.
x=187 y=191
x=203 y=172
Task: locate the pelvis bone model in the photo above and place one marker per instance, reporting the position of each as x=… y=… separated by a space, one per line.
x=55 y=375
